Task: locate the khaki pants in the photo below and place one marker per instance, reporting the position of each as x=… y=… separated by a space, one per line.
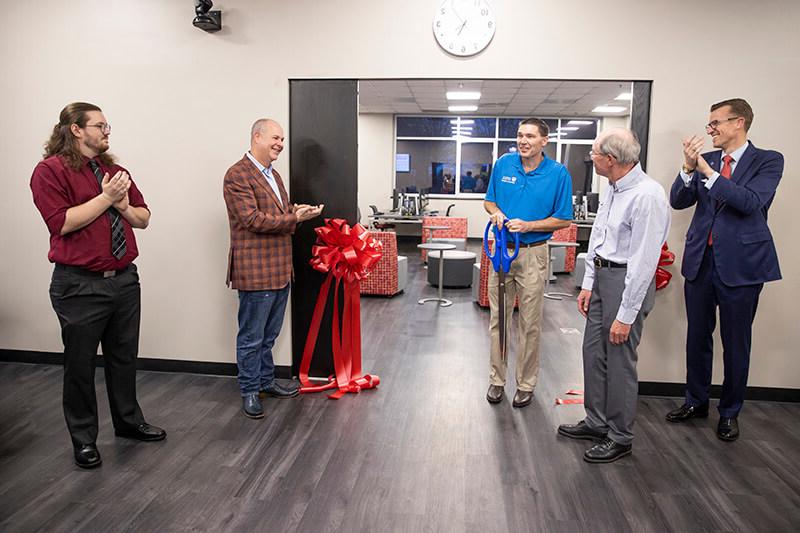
x=527 y=280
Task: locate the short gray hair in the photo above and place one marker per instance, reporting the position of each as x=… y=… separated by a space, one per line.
x=621 y=143
x=258 y=126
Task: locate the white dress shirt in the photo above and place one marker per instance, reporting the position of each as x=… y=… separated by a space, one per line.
x=709 y=182
x=267 y=172
x=631 y=226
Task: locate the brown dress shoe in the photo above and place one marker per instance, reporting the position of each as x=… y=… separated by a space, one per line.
x=495 y=393
x=522 y=398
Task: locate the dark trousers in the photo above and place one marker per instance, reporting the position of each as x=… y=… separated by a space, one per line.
x=95 y=310
x=737 y=309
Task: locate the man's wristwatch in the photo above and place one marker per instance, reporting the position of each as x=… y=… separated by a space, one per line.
x=687 y=170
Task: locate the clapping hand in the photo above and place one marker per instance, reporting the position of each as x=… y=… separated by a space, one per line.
x=307 y=212
x=115 y=189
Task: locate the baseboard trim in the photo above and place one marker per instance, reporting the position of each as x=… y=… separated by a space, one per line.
x=767 y=394
x=646 y=388
x=155 y=365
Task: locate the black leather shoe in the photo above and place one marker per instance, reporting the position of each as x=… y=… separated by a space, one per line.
x=686 y=411
x=87 y=456
x=144 y=432
x=522 y=398
x=251 y=406
x=606 y=451
x=728 y=429
x=495 y=393
x=580 y=431
x=276 y=390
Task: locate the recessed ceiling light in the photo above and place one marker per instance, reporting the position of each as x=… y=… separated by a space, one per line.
x=624 y=96
x=461 y=108
x=580 y=122
x=609 y=109
x=463 y=95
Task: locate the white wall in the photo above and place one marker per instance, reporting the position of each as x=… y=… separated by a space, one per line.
x=181 y=102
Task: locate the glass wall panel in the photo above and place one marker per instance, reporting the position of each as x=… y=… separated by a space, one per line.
x=509 y=126
x=424 y=126
x=476 y=166
x=578 y=129
x=431 y=164
x=576 y=159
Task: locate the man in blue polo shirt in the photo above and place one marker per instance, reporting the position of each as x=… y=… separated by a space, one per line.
x=534 y=194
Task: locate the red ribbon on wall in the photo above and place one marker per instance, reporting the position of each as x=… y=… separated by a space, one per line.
x=347 y=255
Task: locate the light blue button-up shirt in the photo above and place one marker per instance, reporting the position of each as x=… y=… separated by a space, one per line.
x=631 y=226
x=267 y=172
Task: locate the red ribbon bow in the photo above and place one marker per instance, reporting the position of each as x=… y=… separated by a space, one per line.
x=347 y=255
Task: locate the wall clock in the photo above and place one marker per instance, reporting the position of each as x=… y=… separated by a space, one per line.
x=464 y=27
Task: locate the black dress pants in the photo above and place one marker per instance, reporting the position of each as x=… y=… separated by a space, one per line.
x=94 y=310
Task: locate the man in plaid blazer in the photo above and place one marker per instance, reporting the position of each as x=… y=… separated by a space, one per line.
x=260 y=260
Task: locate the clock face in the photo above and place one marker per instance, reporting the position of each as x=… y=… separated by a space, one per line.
x=464 y=27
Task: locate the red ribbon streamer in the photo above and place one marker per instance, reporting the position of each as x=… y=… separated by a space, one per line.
x=347 y=255
x=574 y=392
x=571 y=401
x=662 y=275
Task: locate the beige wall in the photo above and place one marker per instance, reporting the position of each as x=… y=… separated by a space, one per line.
x=181 y=102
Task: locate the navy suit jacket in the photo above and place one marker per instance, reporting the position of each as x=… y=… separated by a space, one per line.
x=736 y=211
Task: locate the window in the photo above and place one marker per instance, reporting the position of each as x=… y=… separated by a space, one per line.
x=455 y=155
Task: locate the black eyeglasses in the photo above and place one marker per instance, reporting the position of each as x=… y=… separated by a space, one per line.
x=105 y=128
x=714 y=124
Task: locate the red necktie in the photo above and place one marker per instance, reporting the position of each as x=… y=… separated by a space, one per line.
x=725 y=172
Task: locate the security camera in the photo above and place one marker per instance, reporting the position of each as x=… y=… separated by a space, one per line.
x=209 y=21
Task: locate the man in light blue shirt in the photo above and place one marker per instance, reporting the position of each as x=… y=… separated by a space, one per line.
x=534 y=194
x=617 y=293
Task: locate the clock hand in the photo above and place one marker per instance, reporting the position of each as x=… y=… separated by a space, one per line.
x=461 y=28
x=455 y=12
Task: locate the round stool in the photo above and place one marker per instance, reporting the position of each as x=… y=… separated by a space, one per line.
x=457 y=269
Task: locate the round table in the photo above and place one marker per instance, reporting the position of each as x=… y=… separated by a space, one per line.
x=441 y=247
x=550 y=277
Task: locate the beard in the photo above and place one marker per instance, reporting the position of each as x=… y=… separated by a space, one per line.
x=100 y=146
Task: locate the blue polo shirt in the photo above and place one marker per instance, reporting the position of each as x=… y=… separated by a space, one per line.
x=544 y=192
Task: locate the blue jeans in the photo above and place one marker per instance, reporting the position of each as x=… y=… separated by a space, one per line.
x=260 y=320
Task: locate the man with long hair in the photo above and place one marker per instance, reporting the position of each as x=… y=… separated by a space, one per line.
x=90 y=206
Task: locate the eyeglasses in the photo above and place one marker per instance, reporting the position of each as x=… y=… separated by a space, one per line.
x=714 y=124
x=105 y=128
x=593 y=153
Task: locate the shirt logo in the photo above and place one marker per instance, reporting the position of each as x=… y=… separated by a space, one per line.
x=509 y=179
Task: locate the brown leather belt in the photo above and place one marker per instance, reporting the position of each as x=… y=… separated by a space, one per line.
x=526 y=244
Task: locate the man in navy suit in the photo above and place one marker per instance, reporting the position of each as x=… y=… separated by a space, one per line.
x=729 y=254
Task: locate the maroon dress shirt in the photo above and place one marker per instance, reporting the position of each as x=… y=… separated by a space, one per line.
x=57 y=187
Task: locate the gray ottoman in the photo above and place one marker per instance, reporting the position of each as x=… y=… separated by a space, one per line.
x=580 y=269
x=458 y=267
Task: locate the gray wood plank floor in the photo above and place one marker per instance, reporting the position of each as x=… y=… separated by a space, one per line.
x=423 y=452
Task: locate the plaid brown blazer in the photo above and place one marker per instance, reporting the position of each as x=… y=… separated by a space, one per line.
x=260 y=256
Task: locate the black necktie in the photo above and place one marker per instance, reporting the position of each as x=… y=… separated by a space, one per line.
x=118 y=246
